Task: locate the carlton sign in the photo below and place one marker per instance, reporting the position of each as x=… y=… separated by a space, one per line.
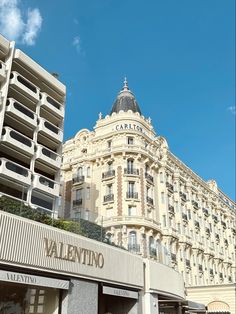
x=130 y=126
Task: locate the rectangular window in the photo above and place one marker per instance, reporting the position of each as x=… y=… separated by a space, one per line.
x=164 y=220
x=79 y=194
x=109 y=189
x=162 y=197
x=131 y=210
x=130 y=140
x=88 y=193
x=131 y=187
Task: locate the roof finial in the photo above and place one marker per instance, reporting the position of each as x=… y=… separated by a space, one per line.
x=125 y=87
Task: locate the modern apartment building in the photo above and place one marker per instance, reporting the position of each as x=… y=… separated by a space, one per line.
x=124 y=176
x=31 y=128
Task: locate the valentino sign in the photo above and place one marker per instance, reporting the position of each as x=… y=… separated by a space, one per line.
x=73 y=253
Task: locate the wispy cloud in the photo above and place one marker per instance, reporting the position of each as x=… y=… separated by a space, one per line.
x=14 y=26
x=232 y=109
x=75 y=21
x=76 y=43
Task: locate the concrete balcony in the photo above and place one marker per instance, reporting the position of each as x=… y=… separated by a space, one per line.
x=50 y=130
x=131 y=172
x=15 y=172
x=171 y=232
x=17 y=141
x=131 y=220
x=46 y=185
x=47 y=156
x=25 y=87
x=21 y=113
x=51 y=105
x=3 y=71
x=108 y=174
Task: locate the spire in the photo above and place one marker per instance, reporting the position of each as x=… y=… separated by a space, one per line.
x=125 y=87
x=125 y=100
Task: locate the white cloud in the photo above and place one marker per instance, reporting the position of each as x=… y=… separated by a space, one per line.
x=76 y=43
x=32 y=27
x=13 y=26
x=232 y=109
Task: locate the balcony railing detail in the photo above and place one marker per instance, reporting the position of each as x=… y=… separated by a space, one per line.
x=206 y=212
x=183 y=196
x=108 y=174
x=131 y=171
x=149 y=200
x=185 y=217
x=215 y=219
x=197 y=225
x=195 y=204
x=171 y=209
x=132 y=195
x=78 y=179
x=223 y=224
x=108 y=198
x=135 y=248
x=170 y=187
x=149 y=177
x=187 y=262
x=77 y=202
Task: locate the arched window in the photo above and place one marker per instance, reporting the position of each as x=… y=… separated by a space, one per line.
x=132 y=242
x=152 y=247
x=130 y=166
x=88 y=172
x=80 y=172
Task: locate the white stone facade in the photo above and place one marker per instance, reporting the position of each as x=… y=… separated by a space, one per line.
x=123 y=175
x=31 y=126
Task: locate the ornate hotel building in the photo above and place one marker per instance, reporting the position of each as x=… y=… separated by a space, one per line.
x=123 y=176
x=31 y=129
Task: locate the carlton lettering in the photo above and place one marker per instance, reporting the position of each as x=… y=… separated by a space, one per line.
x=130 y=126
x=73 y=253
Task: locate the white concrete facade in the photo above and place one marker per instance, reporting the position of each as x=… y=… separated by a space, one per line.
x=31 y=126
x=123 y=175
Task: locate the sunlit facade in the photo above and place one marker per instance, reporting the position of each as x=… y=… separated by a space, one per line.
x=124 y=176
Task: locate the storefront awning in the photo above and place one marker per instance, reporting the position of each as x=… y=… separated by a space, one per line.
x=190 y=306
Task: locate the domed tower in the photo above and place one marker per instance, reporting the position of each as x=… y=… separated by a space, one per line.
x=123 y=155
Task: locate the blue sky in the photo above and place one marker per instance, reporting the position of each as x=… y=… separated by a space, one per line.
x=178 y=57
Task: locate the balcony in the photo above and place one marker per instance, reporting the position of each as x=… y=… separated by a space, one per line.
x=133 y=195
x=173 y=258
x=187 y=263
x=25 y=87
x=184 y=217
x=47 y=156
x=171 y=209
x=223 y=224
x=134 y=248
x=78 y=179
x=149 y=177
x=108 y=198
x=13 y=171
x=50 y=130
x=215 y=219
x=195 y=204
x=206 y=212
x=183 y=196
x=51 y=105
x=197 y=225
x=46 y=185
x=108 y=174
x=3 y=71
x=77 y=202
x=17 y=141
x=170 y=187
x=21 y=113
x=131 y=171
x=149 y=200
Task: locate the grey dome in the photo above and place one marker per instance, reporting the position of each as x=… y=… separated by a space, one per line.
x=125 y=101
